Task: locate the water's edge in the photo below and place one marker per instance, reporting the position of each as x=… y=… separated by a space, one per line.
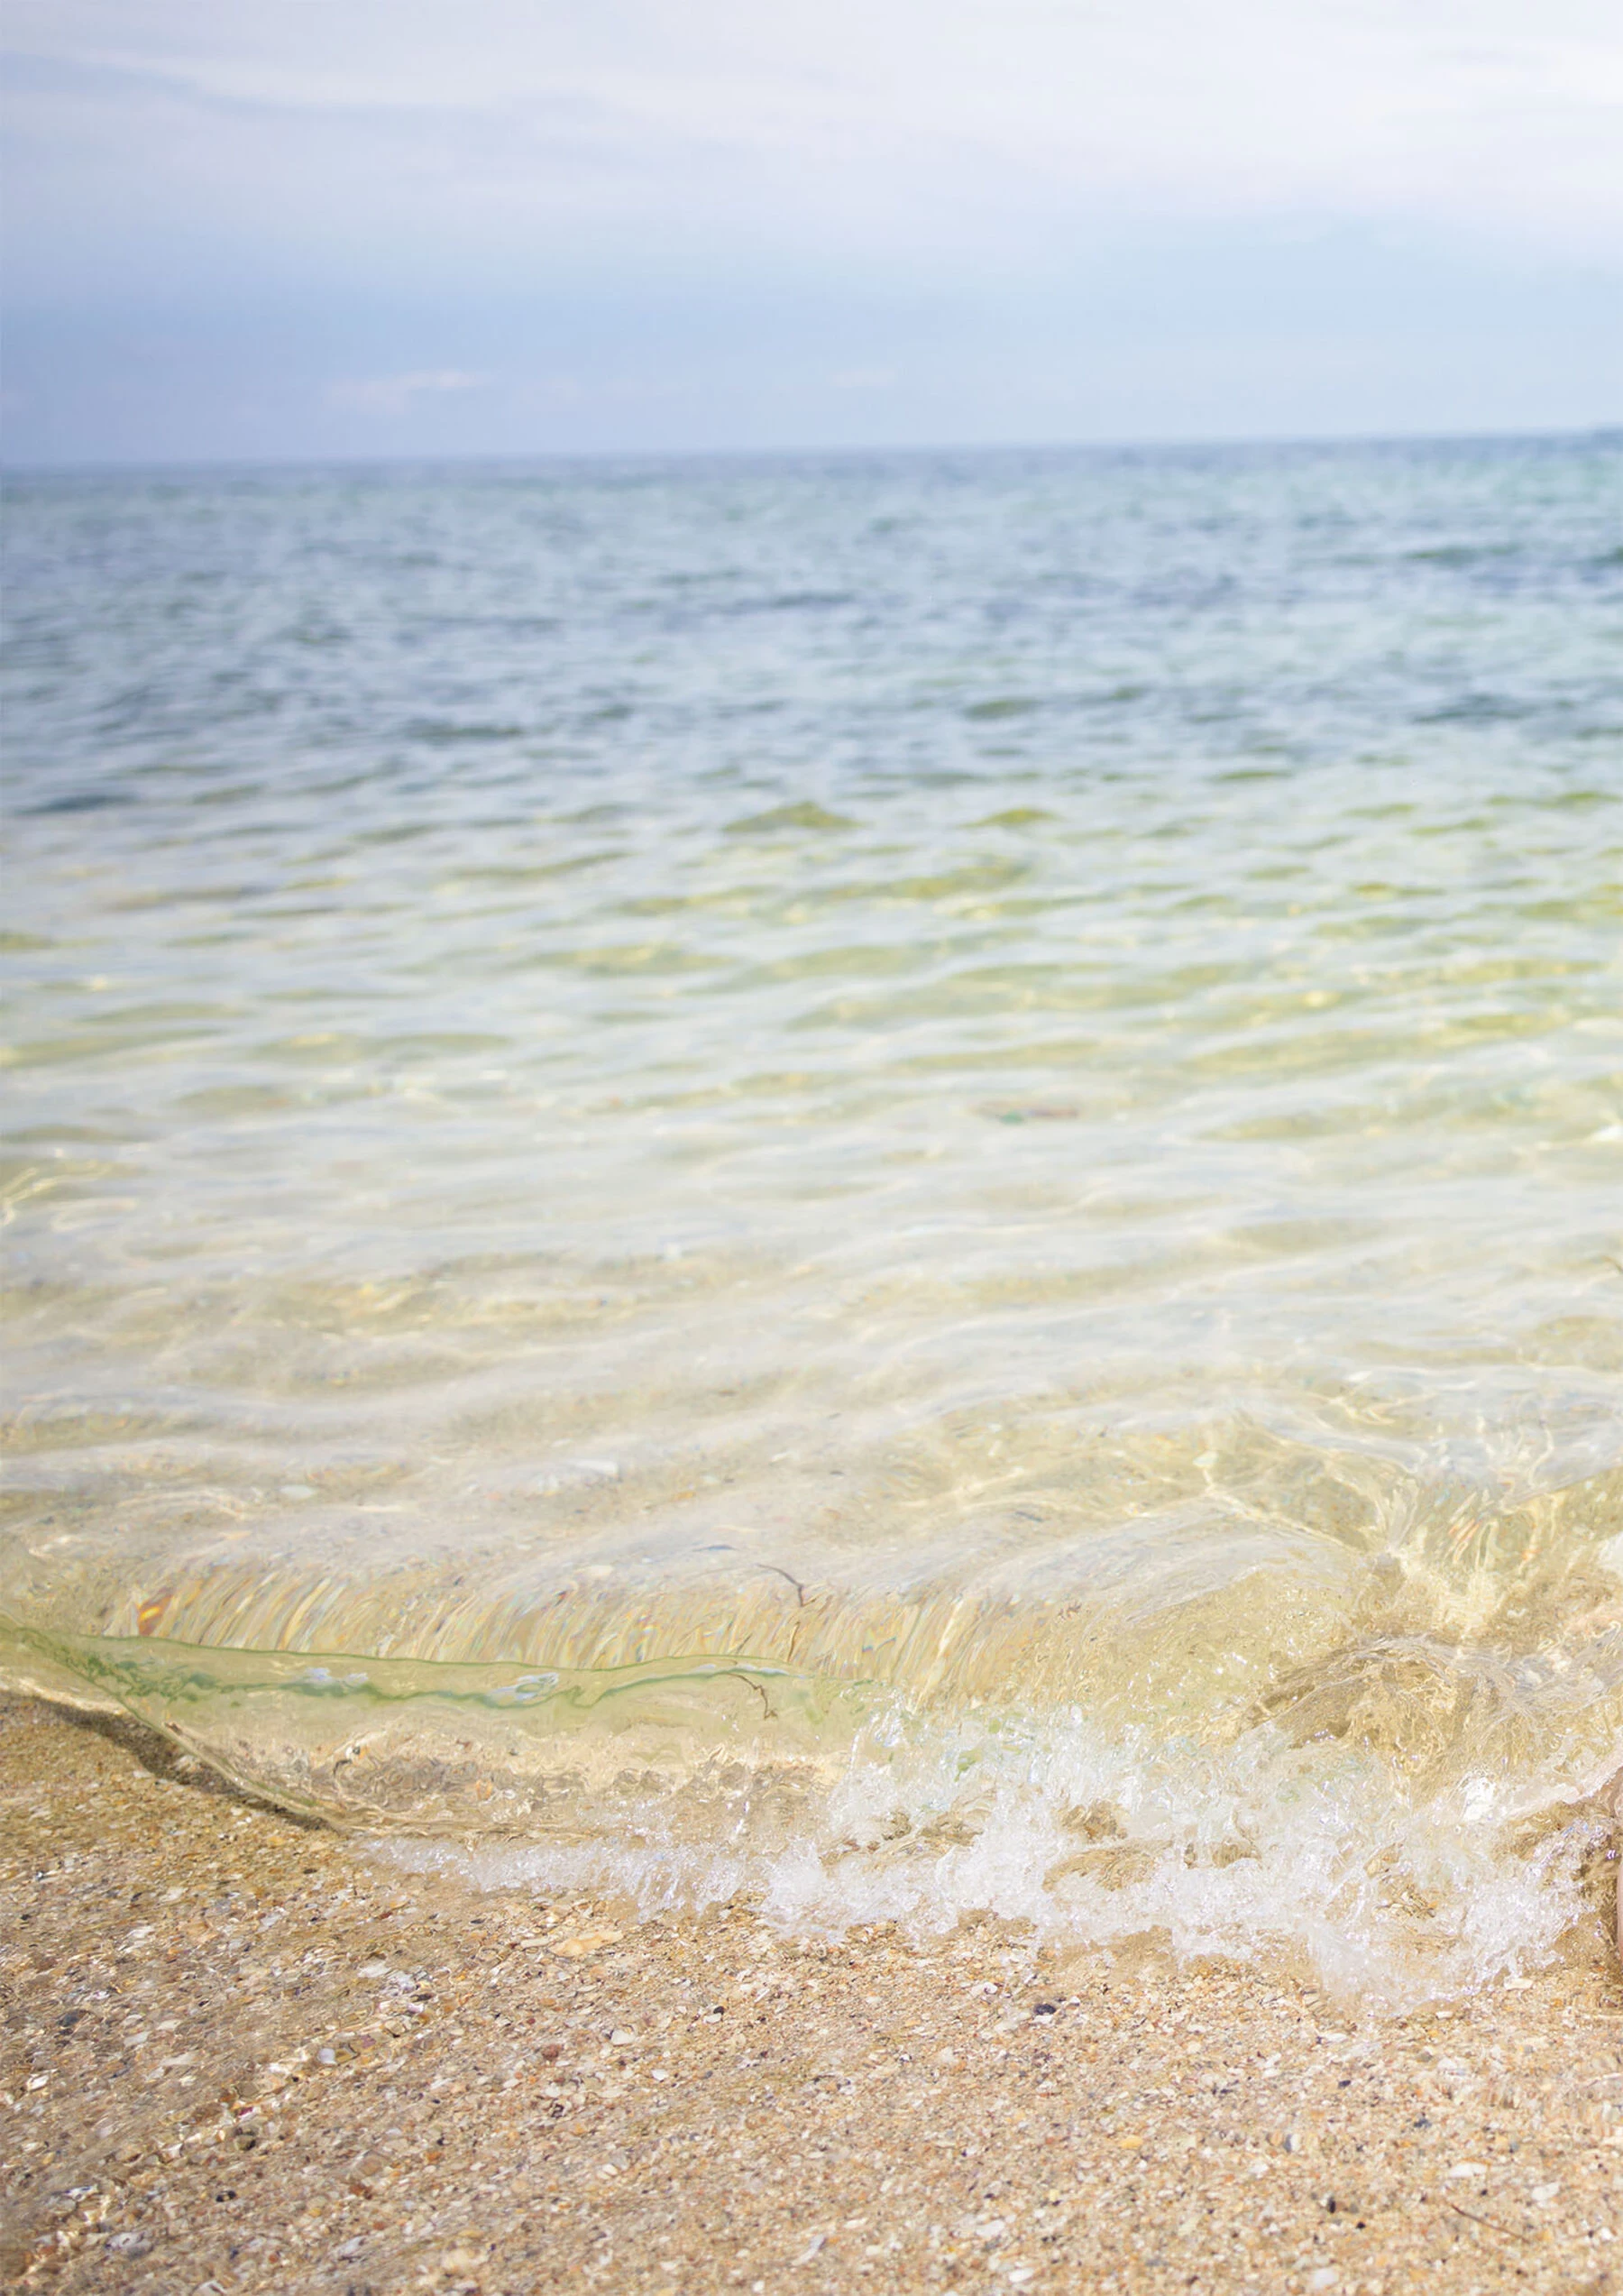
x=687 y=1782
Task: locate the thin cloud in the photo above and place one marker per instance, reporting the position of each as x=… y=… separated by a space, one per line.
x=835 y=122
x=396 y=394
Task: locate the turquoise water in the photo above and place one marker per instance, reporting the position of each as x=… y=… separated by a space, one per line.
x=896 y=1181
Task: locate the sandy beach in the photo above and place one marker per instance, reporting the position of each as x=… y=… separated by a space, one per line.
x=241 y=2054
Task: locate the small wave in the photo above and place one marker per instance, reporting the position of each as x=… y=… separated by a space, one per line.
x=80 y=800
x=831 y=1804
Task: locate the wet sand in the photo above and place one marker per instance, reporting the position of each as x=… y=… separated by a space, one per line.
x=240 y=2055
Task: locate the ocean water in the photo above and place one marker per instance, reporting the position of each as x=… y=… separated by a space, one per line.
x=896 y=1181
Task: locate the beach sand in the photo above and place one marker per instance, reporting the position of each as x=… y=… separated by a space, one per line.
x=241 y=2054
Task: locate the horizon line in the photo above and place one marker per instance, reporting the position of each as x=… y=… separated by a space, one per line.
x=1604 y=431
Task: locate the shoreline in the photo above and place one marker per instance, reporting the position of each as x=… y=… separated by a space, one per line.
x=241 y=2054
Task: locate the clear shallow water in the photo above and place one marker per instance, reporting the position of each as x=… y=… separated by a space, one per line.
x=896 y=1181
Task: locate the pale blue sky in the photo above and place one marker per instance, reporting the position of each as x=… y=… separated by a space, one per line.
x=335 y=227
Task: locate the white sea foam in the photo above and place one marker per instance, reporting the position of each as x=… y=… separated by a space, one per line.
x=1256 y=1850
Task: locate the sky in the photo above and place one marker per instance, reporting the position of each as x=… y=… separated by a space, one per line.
x=318 y=228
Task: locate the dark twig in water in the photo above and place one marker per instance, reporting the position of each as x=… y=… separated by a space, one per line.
x=779 y=1571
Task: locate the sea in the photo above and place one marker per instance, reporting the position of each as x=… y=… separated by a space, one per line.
x=892 y=1183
